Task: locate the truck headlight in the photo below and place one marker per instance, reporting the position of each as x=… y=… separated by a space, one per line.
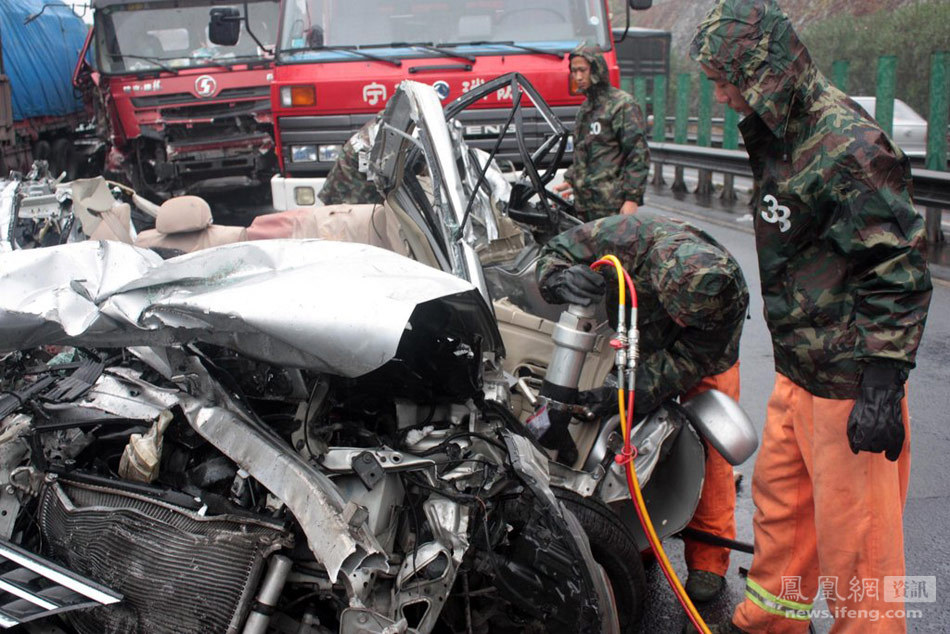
x=304 y=196
x=303 y=153
x=328 y=153
x=293 y=96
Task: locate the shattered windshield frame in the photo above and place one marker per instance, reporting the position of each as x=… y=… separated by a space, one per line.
x=453 y=197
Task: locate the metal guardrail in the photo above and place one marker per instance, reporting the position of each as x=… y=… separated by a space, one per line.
x=734 y=162
x=931 y=188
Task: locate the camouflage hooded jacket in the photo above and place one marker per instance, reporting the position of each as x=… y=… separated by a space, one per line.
x=839 y=243
x=347 y=182
x=611 y=156
x=681 y=275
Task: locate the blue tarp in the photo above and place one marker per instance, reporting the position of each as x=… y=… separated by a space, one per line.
x=39 y=57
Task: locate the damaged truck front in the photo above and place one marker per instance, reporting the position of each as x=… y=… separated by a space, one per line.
x=180 y=114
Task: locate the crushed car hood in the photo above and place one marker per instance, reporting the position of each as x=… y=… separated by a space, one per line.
x=321 y=305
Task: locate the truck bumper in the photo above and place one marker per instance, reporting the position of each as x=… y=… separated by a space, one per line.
x=207 y=158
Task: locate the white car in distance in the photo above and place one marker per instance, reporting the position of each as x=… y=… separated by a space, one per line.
x=910 y=129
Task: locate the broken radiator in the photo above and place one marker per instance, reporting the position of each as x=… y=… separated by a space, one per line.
x=180 y=572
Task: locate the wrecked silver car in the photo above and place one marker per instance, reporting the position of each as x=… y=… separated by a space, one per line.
x=292 y=463
x=271 y=436
x=312 y=436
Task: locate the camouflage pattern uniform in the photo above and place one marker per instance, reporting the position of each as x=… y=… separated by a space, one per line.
x=347 y=181
x=611 y=156
x=846 y=288
x=681 y=274
x=840 y=245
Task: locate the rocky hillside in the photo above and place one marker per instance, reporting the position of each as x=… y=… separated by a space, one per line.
x=856 y=31
x=681 y=16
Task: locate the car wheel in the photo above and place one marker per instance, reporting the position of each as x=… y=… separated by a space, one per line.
x=615 y=549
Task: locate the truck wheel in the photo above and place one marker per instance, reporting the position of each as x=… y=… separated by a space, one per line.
x=615 y=549
x=61 y=159
x=41 y=151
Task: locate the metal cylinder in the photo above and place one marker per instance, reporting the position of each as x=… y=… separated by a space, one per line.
x=573 y=339
x=271 y=587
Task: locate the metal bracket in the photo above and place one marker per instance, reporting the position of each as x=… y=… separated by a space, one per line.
x=367 y=468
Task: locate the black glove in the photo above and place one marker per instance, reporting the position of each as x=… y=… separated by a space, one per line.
x=876 y=423
x=601 y=401
x=577 y=285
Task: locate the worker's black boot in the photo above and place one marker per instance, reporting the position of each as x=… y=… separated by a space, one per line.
x=703 y=586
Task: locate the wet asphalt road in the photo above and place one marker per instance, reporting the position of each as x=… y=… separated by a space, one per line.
x=927 y=514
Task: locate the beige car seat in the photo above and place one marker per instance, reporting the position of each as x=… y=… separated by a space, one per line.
x=100 y=216
x=364 y=224
x=185 y=223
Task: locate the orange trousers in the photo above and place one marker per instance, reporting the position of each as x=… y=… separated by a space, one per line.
x=716 y=511
x=827 y=521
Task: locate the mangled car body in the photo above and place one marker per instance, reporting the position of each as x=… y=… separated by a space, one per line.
x=314 y=436
x=215 y=450
x=340 y=453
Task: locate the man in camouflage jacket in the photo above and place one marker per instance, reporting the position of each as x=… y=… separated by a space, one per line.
x=692 y=301
x=347 y=181
x=611 y=156
x=846 y=293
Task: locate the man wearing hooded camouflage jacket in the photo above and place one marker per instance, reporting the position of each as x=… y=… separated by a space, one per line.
x=611 y=156
x=692 y=301
x=846 y=293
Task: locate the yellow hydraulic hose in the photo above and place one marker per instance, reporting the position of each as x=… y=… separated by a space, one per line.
x=626 y=424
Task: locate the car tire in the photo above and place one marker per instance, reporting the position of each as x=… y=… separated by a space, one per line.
x=615 y=549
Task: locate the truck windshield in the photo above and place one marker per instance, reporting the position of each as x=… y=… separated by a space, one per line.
x=311 y=28
x=174 y=35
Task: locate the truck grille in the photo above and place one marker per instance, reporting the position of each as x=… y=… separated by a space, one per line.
x=480 y=128
x=250 y=92
x=206 y=111
x=179 y=572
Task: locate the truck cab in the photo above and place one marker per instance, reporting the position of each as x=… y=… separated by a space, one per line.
x=339 y=61
x=181 y=114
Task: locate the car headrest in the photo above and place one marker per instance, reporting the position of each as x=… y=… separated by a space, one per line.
x=183 y=214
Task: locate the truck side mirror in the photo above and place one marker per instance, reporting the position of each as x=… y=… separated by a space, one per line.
x=224 y=27
x=640 y=5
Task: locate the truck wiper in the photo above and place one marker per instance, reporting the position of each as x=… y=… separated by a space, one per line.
x=430 y=46
x=356 y=50
x=529 y=49
x=228 y=62
x=155 y=60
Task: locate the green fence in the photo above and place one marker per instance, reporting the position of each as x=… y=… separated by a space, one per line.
x=715 y=125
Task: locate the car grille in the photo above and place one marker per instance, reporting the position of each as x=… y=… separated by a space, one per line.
x=180 y=572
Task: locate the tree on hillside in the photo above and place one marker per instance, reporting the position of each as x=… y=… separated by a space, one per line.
x=911 y=33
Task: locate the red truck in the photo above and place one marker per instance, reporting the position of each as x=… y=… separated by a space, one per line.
x=40 y=115
x=339 y=61
x=180 y=114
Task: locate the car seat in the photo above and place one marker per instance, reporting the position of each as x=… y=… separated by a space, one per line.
x=185 y=223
